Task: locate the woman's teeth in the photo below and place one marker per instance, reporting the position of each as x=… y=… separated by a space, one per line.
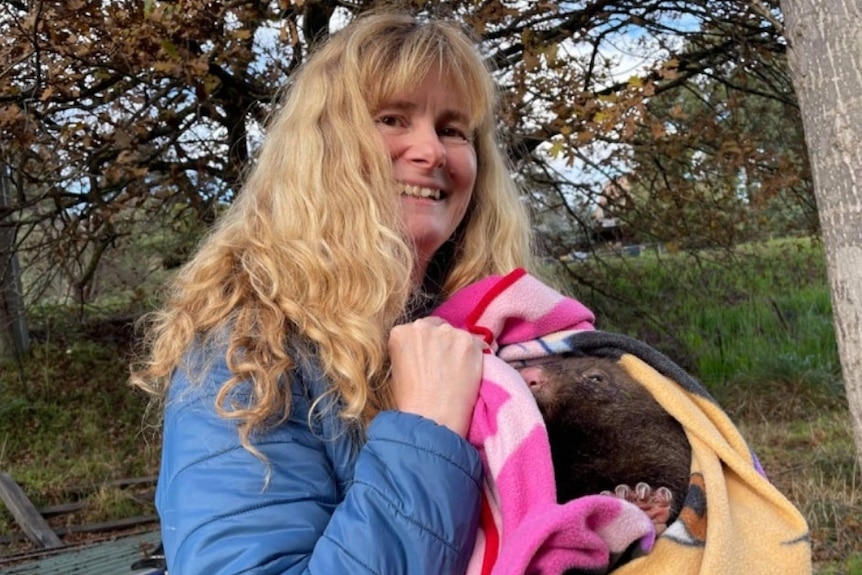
x=418 y=192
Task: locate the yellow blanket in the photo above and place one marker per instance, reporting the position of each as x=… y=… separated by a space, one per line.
x=734 y=521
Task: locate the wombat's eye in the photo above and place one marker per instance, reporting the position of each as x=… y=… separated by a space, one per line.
x=596 y=376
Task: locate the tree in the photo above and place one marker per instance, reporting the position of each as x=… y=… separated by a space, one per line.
x=155 y=107
x=825 y=54
x=729 y=152
x=14 y=337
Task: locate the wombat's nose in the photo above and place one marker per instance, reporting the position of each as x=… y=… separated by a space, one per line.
x=534 y=376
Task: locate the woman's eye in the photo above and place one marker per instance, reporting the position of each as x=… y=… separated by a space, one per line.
x=453 y=133
x=389 y=120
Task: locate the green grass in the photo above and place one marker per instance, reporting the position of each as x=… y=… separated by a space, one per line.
x=754 y=325
x=68 y=419
x=759 y=313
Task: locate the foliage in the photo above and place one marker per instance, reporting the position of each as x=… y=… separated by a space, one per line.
x=724 y=163
x=117 y=113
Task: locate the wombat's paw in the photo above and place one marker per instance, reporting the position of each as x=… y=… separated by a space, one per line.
x=654 y=502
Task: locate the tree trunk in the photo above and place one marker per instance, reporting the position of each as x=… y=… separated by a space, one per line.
x=825 y=55
x=14 y=337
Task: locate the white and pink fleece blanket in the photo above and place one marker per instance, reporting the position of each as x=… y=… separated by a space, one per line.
x=524 y=531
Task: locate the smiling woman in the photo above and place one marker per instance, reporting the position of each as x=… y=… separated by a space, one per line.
x=429 y=138
x=311 y=422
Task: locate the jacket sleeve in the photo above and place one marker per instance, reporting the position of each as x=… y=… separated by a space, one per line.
x=412 y=505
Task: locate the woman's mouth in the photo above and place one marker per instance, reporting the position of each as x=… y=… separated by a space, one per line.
x=420 y=192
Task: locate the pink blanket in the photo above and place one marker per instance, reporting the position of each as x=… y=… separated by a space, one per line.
x=524 y=530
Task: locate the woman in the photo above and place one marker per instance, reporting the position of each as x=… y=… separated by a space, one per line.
x=309 y=424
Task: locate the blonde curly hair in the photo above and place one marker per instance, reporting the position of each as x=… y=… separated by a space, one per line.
x=313 y=246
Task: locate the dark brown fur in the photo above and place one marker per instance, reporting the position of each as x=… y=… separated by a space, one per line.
x=607 y=430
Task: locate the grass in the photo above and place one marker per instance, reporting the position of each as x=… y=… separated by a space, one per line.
x=755 y=326
x=728 y=317
x=69 y=423
x=803 y=437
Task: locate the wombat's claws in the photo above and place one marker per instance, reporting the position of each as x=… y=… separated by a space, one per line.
x=643 y=491
x=623 y=491
x=663 y=495
x=654 y=502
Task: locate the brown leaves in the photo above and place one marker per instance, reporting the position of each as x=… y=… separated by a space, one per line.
x=153 y=97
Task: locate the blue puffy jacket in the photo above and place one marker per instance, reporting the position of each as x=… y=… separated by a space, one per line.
x=403 y=500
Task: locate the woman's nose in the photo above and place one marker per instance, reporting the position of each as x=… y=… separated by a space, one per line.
x=425 y=147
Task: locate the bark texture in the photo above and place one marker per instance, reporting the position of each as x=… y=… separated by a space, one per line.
x=825 y=55
x=14 y=338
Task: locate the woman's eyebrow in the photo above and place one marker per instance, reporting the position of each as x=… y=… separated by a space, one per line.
x=401 y=105
x=449 y=114
x=456 y=115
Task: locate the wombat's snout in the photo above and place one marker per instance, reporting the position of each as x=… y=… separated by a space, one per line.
x=534 y=376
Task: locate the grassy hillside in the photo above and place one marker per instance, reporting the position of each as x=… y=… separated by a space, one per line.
x=757 y=314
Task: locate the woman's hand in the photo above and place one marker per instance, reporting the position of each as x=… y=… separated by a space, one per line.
x=436 y=371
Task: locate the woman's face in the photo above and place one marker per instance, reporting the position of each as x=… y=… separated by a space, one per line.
x=434 y=161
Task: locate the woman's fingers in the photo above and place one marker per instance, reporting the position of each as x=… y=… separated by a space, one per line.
x=436 y=371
